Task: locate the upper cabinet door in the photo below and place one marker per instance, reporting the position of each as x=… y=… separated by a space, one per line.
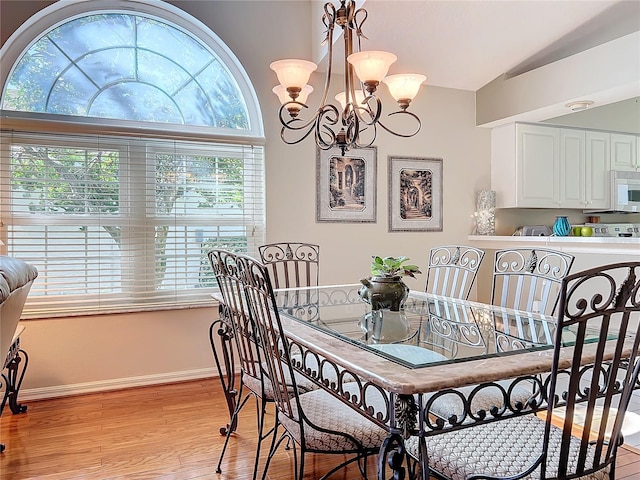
x=572 y=168
x=598 y=164
x=538 y=166
x=624 y=152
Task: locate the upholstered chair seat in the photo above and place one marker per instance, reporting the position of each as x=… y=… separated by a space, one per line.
x=499 y=449
x=332 y=415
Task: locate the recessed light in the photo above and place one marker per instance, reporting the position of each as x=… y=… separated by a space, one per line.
x=579 y=105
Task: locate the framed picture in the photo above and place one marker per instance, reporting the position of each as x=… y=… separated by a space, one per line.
x=415 y=194
x=346 y=185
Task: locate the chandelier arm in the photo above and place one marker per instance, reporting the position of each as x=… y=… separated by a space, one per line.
x=330 y=16
x=320 y=141
x=352 y=130
x=355 y=128
x=357 y=25
x=304 y=128
x=373 y=113
x=328 y=19
x=348 y=68
x=326 y=117
x=403 y=135
x=288 y=123
x=293 y=142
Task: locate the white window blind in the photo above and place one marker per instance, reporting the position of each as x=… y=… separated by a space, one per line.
x=120 y=223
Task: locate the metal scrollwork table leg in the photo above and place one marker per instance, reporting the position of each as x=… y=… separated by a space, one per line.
x=15 y=366
x=392 y=452
x=221 y=338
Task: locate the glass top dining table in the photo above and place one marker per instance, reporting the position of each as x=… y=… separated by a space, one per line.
x=400 y=362
x=430 y=330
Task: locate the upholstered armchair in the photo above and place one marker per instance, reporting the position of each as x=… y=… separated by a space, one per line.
x=16 y=278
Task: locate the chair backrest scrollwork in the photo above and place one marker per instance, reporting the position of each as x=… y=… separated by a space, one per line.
x=529 y=279
x=291 y=264
x=452 y=270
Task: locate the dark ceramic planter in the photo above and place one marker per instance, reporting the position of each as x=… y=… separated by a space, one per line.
x=384 y=292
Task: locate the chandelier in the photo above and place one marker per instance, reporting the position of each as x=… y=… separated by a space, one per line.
x=355 y=124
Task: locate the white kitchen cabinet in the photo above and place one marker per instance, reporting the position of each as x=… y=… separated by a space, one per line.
x=584 y=169
x=525 y=165
x=573 y=173
x=624 y=153
x=539 y=166
x=597 y=166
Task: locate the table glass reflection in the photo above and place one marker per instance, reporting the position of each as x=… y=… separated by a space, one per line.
x=430 y=330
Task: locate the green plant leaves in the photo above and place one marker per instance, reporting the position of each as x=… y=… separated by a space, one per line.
x=393 y=267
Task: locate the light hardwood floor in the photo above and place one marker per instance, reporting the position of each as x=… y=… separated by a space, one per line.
x=160 y=432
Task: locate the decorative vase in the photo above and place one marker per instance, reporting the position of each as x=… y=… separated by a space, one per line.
x=384 y=326
x=486 y=213
x=561 y=226
x=384 y=292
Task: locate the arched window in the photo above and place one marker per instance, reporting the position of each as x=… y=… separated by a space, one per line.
x=160 y=158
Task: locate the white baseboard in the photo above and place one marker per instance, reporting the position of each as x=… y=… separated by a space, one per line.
x=114 y=384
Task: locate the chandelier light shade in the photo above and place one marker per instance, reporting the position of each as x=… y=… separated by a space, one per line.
x=293 y=73
x=342 y=98
x=284 y=96
x=404 y=87
x=371 y=67
x=355 y=122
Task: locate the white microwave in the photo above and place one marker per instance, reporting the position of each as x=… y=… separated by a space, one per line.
x=624 y=192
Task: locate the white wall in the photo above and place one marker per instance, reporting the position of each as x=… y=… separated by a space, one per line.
x=74 y=354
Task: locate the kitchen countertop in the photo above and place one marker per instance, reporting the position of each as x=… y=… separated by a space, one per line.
x=608 y=245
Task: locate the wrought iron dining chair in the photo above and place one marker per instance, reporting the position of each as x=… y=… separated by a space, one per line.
x=587 y=393
x=316 y=421
x=252 y=375
x=452 y=270
x=236 y=326
x=291 y=264
x=529 y=279
x=517 y=332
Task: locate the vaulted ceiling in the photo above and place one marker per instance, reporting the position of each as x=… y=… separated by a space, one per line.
x=465 y=44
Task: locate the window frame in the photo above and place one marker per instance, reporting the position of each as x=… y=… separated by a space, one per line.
x=111 y=129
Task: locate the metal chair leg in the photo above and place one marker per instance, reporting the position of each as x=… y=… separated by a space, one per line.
x=225 y=363
x=232 y=421
x=16 y=369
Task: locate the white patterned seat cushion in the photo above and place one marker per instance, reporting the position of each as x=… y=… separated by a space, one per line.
x=449 y=405
x=501 y=449
x=327 y=412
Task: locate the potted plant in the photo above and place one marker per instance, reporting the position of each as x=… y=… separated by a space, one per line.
x=385 y=288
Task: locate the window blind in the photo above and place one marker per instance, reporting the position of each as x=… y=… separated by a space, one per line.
x=118 y=223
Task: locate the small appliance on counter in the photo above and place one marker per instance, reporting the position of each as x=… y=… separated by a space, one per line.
x=615 y=229
x=533 y=231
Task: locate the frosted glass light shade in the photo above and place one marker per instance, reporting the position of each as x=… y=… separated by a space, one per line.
x=342 y=98
x=404 y=86
x=293 y=73
x=371 y=66
x=284 y=97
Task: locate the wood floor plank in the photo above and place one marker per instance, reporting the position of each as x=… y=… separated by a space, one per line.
x=164 y=432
